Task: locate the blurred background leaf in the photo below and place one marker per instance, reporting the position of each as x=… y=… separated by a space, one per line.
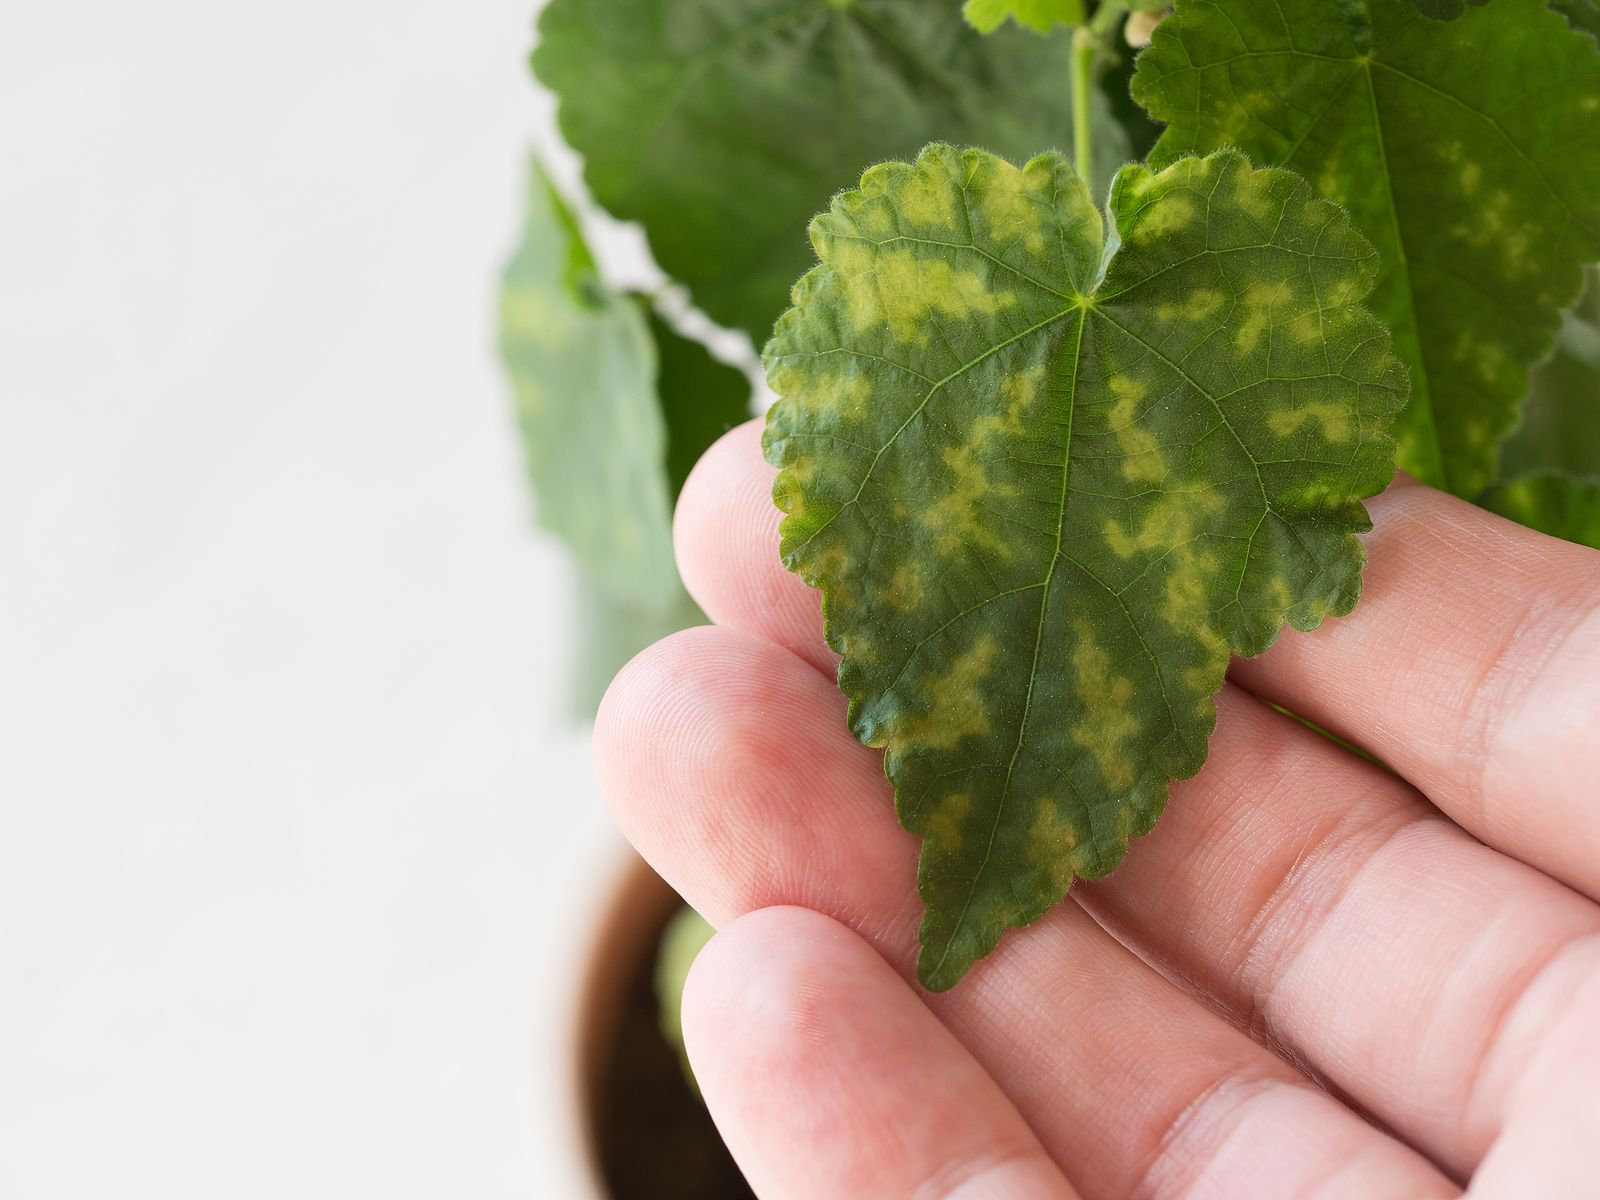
x=1580 y=14
x=1554 y=502
x=614 y=407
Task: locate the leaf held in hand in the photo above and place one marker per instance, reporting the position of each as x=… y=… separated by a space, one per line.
x=1469 y=152
x=1049 y=473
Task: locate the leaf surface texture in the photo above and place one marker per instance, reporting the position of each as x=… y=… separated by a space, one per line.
x=1468 y=151
x=1049 y=470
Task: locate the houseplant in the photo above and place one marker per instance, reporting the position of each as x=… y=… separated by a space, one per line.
x=1461 y=229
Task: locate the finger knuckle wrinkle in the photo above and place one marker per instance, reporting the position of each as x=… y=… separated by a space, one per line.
x=1555 y=639
x=1002 y=1171
x=1183 y=1147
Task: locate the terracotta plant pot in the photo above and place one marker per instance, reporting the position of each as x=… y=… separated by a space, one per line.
x=642 y=1130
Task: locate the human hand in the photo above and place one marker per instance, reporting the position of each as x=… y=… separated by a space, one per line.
x=1337 y=982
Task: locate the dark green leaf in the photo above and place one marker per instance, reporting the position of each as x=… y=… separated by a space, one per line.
x=1580 y=14
x=1116 y=63
x=1049 y=475
x=701 y=397
x=1469 y=152
x=1445 y=10
x=1561 y=420
x=725 y=125
x=1553 y=502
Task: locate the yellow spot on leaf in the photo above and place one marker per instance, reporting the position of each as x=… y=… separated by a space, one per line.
x=942 y=827
x=1333 y=419
x=1053 y=845
x=904 y=591
x=1197 y=306
x=1170 y=522
x=927 y=198
x=1253 y=190
x=1143 y=459
x=876 y=219
x=957 y=518
x=1107 y=721
x=1306 y=329
x=1187 y=588
x=1014 y=205
x=1170 y=214
x=901 y=288
x=956 y=708
x=1259 y=301
x=820 y=392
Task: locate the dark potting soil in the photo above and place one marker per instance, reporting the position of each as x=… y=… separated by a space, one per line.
x=655 y=1139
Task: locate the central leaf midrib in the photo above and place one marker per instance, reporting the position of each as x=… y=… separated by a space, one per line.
x=1038 y=643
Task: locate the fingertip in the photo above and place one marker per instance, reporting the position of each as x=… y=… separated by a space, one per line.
x=725 y=534
x=725 y=760
x=757 y=974
x=646 y=730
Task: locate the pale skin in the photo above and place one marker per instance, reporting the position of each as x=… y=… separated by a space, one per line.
x=1315 y=980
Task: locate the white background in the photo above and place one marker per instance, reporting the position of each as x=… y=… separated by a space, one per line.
x=296 y=841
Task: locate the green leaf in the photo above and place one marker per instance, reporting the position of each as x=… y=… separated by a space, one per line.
x=1561 y=420
x=725 y=125
x=1553 y=502
x=701 y=398
x=1580 y=14
x=1115 y=61
x=614 y=408
x=1445 y=10
x=1039 y=15
x=1047 y=475
x=583 y=367
x=1467 y=152
x=685 y=936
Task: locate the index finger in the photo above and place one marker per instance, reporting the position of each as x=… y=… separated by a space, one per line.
x=1472 y=667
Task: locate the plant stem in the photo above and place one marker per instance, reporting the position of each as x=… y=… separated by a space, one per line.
x=1106 y=17
x=1083 y=47
x=1086 y=39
